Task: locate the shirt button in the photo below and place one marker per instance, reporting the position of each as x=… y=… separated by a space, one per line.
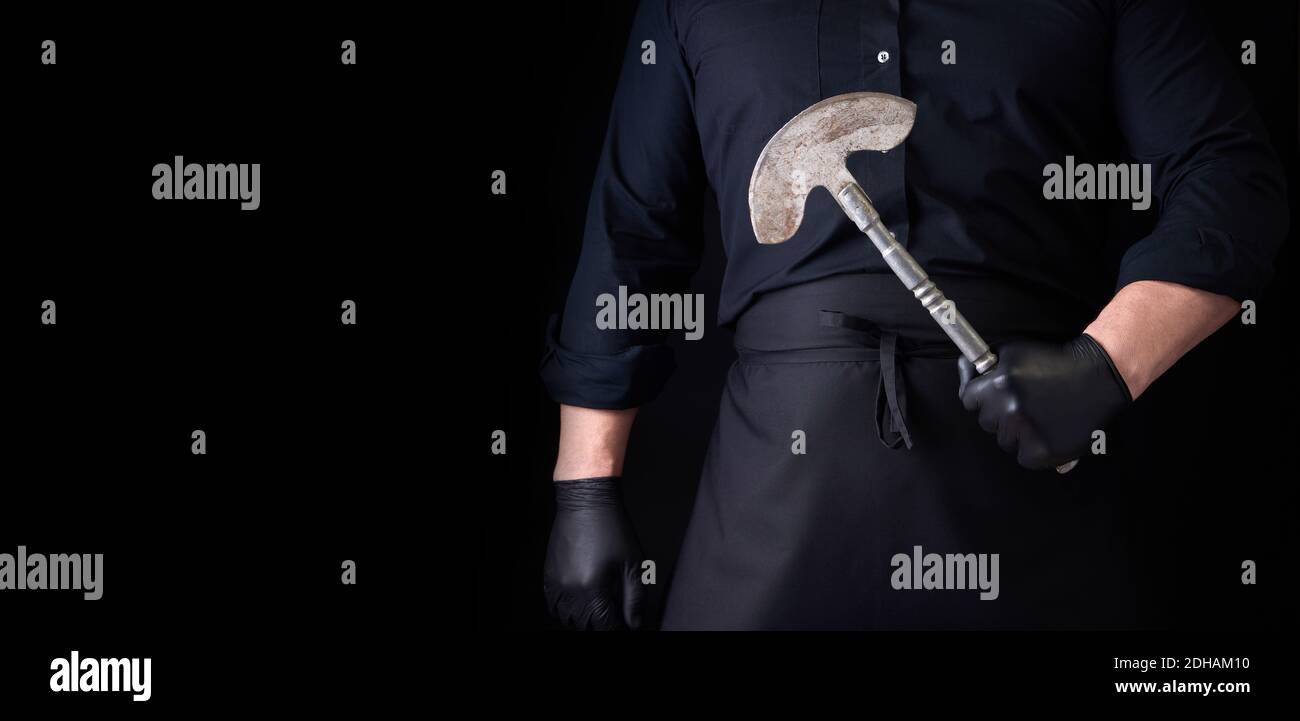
x=882 y=56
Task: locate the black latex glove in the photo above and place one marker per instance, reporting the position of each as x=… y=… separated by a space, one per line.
x=592 y=575
x=1044 y=400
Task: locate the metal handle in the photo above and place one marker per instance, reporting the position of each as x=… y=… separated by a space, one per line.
x=855 y=203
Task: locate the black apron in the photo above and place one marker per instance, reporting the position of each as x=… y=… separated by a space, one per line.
x=892 y=462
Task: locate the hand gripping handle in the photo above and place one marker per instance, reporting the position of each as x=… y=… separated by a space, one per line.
x=855 y=203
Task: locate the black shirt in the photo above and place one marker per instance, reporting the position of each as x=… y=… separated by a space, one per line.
x=1099 y=81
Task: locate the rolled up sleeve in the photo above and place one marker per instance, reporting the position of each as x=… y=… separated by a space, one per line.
x=642 y=230
x=1219 y=188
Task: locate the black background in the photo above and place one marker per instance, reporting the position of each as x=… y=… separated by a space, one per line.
x=1219 y=491
x=370 y=442
x=176 y=315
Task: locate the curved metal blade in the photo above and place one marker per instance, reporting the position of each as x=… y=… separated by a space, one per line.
x=810 y=150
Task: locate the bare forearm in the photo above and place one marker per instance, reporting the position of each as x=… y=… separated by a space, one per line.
x=592 y=442
x=1149 y=325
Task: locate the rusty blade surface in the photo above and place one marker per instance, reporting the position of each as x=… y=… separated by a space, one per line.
x=810 y=151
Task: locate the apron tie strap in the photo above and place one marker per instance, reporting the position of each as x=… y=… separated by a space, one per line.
x=891 y=394
x=895 y=396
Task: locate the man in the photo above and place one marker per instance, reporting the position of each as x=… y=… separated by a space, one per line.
x=945 y=518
